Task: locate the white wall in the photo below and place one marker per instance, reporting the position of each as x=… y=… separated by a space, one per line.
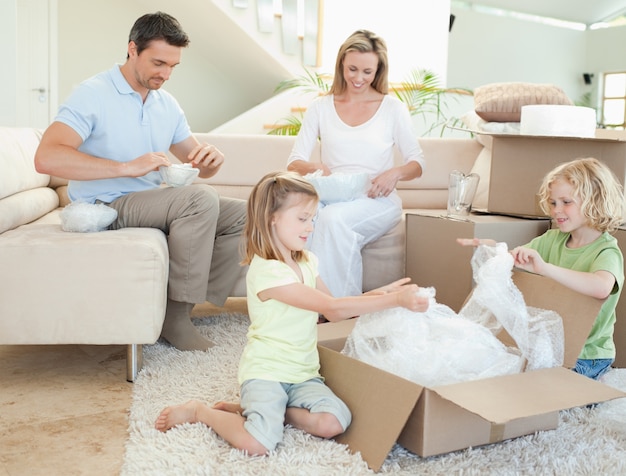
x=8 y=53
x=605 y=50
x=480 y=49
x=485 y=48
x=416 y=32
x=93 y=36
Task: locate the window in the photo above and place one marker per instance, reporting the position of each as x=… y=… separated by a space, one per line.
x=614 y=101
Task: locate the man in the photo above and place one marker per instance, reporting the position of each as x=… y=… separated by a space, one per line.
x=109 y=139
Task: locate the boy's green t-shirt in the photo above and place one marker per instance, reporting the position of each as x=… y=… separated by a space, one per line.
x=602 y=254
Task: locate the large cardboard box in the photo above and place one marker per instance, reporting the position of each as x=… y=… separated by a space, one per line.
x=434 y=258
x=430 y=421
x=519 y=163
x=619 y=334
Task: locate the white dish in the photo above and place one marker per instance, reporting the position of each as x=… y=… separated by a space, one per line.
x=178 y=175
x=339 y=187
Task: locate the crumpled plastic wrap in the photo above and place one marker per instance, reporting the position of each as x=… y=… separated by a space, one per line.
x=496 y=303
x=439 y=347
x=338 y=187
x=85 y=217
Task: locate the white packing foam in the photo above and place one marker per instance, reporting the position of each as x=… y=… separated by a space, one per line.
x=558 y=121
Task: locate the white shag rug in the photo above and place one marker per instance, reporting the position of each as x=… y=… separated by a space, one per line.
x=588 y=441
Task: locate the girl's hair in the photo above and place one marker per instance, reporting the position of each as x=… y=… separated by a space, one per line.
x=595 y=185
x=268 y=196
x=363 y=41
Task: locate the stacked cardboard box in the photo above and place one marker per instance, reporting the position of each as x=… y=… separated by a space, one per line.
x=434 y=258
x=429 y=421
x=619 y=335
x=519 y=163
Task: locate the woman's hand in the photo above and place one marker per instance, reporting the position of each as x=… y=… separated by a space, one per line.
x=384 y=184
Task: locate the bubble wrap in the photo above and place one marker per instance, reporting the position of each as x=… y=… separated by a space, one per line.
x=439 y=347
x=86 y=217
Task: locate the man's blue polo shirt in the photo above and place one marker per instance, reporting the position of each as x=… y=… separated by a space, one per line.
x=116 y=124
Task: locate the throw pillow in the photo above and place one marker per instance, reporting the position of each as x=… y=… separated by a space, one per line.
x=502 y=102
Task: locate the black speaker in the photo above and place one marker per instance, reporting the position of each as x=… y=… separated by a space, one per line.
x=452 y=17
x=587 y=78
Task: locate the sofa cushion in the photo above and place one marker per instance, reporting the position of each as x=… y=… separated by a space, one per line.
x=16 y=161
x=26 y=206
x=82 y=288
x=383 y=259
x=502 y=102
x=261 y=154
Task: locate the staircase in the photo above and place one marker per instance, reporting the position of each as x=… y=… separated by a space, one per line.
x=289 y=32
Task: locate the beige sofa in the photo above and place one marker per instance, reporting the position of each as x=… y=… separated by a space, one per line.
x=110 y=287
x=249 y=157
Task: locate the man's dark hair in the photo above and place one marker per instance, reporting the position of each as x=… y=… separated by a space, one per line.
x=157 y=26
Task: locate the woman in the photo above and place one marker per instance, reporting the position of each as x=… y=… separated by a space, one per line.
x=358 y=125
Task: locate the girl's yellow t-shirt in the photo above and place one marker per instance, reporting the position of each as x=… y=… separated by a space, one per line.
x=282 y=339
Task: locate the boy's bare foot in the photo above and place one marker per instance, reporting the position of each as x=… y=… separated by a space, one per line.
x=229 y=407
x=177 y=415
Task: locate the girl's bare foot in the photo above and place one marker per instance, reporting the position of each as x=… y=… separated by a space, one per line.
x=177 y=415
x=229 y=407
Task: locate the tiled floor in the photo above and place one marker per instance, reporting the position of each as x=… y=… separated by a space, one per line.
x=63 y=409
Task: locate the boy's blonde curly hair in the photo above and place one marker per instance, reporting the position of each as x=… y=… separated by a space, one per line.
x=595 y=185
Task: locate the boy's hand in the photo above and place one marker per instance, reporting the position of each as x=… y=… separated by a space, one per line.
x=528 y=260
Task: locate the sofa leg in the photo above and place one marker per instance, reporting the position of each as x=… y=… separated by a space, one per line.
x=134 y=361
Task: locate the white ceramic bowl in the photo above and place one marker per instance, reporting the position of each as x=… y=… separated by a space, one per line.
x=178 y=175
x=339 y=187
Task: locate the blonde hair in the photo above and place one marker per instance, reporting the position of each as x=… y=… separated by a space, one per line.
x=595 y=185
x=269 y=196
x=363 y=41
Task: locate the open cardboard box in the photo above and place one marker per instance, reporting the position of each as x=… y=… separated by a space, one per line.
x=519 y=163
x=430 y=421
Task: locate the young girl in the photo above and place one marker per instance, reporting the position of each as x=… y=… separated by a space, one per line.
x=279 y=369
x=584 y=200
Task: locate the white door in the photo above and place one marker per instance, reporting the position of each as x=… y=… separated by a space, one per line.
x=36 y=52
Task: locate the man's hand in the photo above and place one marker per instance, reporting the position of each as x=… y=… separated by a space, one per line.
x=146 y=163
x=207 y=158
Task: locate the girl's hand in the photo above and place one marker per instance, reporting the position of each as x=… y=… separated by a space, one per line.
x=409 y=299
x=528 y=260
